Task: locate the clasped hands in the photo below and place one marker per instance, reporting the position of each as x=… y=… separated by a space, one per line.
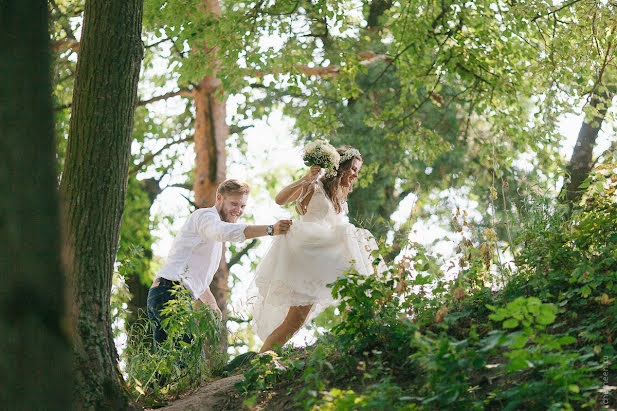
x=282 y=227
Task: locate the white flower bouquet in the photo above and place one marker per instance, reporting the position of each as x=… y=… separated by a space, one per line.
x=323 y=154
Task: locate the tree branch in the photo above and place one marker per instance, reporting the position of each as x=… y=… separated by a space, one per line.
x=156 y=43
x=233 y=129
x=186 y=186
x=148 y=159
x=366 y=58
x=62 y=107
x=236 y=258
x=67 y=29
x=184 y=92
x=70 y=42
x=191 y=202
x=60 y=46
x=539 y=16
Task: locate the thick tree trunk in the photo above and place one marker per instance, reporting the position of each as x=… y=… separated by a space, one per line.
x=36 y=351
x=581 y=162
x=211 y=132
x=94 y=187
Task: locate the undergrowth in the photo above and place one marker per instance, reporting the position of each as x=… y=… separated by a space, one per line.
x=409 y=339
x=157 y=375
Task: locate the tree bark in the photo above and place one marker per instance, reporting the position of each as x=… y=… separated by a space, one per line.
x=36 y=349
x=581 y=162
x=211 y=132
x=94 y=187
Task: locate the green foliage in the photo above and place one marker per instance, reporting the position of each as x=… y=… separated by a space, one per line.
x=175 y=364
x=382 y=396
x=436 y=96
x=262 y=374
x=135 y=247
x=539 y=343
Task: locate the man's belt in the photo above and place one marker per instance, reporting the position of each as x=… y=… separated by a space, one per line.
x=165 y=282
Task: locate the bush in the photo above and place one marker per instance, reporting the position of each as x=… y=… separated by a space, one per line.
x=542 y=342
x=175 y=364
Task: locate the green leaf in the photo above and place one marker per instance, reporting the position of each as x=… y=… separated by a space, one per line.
x=585 y=291
x=566 y=339
x=545 y=318
x=511 y=323
x=519 y=341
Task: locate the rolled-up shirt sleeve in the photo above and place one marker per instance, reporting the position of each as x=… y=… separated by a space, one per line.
x=210 y=226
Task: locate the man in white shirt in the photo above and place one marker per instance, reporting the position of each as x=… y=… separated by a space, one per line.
x=197 y=250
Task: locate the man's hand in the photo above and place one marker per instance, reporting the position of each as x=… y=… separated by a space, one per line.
x=217 y=311
x=282 y=226
x=208 y=299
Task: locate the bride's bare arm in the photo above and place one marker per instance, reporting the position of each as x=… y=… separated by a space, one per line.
x=292 y=191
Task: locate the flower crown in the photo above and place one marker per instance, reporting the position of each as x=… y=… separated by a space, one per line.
x=349 y=154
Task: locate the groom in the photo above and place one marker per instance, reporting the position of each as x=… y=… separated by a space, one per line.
x=197 y=250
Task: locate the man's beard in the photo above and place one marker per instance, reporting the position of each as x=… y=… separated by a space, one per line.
x=224 y=216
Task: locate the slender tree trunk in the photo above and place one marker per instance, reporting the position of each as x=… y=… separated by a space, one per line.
x=94 y=187
x=211 y=132
x=36 y=350
x=581 y=161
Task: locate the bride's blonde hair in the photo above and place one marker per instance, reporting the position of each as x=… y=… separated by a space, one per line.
x=332 y=185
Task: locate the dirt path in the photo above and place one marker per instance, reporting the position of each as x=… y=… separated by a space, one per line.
x=212 y=396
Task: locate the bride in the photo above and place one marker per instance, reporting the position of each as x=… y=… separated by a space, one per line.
x=291 y=279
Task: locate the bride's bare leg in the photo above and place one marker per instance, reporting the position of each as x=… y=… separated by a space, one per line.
x=292 y=323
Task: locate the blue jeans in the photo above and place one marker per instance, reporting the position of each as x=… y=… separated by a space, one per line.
x=157 y=298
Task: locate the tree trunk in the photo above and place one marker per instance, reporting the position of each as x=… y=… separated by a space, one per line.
x=581 y=161
x=35 y=364
x=211 y=132
x=94 y=188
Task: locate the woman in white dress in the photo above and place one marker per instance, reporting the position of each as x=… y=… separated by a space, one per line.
x=291 y=279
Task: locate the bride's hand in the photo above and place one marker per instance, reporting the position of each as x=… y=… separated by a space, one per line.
x=312 y=174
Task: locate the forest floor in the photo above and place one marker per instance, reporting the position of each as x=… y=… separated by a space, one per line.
x=214 y=395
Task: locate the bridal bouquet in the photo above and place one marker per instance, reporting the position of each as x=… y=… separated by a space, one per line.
x=323 y=154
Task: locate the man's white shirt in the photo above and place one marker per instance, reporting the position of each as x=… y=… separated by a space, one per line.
x=197 y=249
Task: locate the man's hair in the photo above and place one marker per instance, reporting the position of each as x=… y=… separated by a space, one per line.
x=233 y=186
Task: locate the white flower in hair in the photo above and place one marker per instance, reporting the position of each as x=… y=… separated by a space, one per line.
x=349 y=154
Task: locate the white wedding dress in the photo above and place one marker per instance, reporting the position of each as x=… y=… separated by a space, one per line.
x=314 y=252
